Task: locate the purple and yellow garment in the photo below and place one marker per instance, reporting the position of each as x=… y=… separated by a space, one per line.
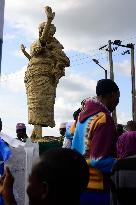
x=124 y=171
x=73 y=127
x=95 y=138
x=126 y=144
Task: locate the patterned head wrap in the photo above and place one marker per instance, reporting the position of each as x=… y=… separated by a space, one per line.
x=126 y=144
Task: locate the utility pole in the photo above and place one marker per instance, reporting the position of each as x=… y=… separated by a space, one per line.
x=131 y=47
x=110 y=60
x=110 y=50
x=133 y=83
x=114 y=116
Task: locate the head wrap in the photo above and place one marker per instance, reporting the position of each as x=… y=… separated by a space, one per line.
x=126 y=144
x=20 y=126
x=106 y=86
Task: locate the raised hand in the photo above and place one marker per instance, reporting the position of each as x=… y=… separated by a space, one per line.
x=49 y=13
x=24 y=51
x=22 y=47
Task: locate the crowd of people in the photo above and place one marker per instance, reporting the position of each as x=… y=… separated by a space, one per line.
x=96 y=164
x=108 y=148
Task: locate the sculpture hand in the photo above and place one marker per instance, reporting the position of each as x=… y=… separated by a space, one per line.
x=23 y=47
x=49 y=13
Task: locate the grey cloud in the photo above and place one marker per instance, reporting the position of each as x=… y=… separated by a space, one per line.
x=96 y=22
x=83 y=25
x=99 y=17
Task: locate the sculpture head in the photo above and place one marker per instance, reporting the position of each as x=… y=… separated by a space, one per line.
x=41 y=27
x=52 y=29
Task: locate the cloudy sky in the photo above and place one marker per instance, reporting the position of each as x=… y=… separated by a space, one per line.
x=82 y=27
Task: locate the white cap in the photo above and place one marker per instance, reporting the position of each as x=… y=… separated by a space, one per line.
x=63 y=125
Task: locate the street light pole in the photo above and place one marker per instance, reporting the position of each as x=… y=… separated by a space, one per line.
x=104 y=70
x=97 y=62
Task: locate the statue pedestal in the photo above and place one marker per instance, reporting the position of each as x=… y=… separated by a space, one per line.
x=48 y=142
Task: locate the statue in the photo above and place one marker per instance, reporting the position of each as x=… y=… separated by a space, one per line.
x=47 y=62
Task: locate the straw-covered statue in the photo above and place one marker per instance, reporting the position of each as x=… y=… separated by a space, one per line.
x=47 y=62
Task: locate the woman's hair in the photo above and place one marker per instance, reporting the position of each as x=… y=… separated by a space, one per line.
x=65 y=170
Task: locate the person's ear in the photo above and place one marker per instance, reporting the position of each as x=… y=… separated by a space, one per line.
x=44 y=190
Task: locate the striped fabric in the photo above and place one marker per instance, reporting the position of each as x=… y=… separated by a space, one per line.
x=2 y=4
x=124 y=182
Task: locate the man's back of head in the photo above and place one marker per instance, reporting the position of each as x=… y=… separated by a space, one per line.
x=66 y=172
x=108 y=93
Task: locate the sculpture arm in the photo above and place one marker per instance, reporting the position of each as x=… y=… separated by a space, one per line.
x=24 y=52
x=50 y=17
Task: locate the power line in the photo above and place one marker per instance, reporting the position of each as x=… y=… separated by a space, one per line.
x=13 y=76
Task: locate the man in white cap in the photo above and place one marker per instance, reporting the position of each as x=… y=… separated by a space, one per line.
x=62 y=129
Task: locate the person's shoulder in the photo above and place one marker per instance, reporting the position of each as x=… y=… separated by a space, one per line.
x=108 y=118
x=35 y=43
x=102 y=118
